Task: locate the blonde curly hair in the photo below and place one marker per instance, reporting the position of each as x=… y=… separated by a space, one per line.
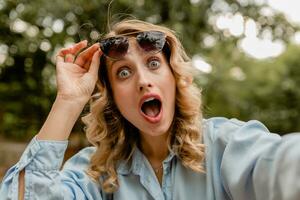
x=115 y=138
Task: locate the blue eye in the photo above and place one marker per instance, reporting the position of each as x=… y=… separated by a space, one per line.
x=153 y=64
x=123 y=73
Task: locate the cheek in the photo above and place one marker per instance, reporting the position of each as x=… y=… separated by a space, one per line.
x=118 y=92
x=121 y=96
x=169 y=81
x=170 y=87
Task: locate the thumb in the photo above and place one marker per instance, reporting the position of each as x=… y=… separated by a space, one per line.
x=94 y=67
x=59 y=59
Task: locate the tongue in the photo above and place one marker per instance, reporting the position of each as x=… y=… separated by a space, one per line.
x=151 y=110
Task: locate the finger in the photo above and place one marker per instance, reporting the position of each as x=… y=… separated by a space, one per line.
x=78 y=47
x=69 y=58
x=74 y=49
x=95 y=64
x=87 y=65
x=59 y=59
x=86 y=55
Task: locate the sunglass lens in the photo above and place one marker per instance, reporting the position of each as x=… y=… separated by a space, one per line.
x=152 y=41
x=115 y=47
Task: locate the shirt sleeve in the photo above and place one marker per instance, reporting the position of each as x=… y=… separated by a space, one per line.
x=42 y=161
x=253 y=163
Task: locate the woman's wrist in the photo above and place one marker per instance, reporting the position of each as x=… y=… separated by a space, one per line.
x=72 y=101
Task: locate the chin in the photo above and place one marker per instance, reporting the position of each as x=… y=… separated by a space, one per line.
x=156 y=131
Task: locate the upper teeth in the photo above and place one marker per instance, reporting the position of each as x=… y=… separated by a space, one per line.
x=149 y=99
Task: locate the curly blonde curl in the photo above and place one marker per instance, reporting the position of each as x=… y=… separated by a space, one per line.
x=115 y=138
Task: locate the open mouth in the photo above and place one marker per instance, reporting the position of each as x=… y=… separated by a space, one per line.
x=151 y=107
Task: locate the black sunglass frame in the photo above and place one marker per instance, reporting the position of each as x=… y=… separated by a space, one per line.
x=150 y=41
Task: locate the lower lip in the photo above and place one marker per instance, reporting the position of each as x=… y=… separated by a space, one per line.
x=155 y=119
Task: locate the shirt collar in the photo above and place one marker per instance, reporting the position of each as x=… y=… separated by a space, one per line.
x=137 y=163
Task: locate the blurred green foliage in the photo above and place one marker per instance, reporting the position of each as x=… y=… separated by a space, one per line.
x=31 y=32
x=269 y=90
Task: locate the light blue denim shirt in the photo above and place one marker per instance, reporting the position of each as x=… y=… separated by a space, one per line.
x=243 y=162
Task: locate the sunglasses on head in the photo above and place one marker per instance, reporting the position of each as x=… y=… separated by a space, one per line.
x=116 y=47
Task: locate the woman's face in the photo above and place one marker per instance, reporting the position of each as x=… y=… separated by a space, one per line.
x=143 y=88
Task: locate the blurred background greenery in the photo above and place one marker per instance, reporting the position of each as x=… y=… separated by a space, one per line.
x=247 y=53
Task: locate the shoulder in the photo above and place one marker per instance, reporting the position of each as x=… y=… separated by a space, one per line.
x=220 y=128
x=80 y=159
x=222 y=122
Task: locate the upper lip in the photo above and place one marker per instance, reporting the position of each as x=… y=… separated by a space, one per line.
x=147 y=96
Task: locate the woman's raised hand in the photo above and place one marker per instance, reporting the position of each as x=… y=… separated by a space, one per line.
x=76 y=72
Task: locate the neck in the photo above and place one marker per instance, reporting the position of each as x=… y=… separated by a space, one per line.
x=154 y=148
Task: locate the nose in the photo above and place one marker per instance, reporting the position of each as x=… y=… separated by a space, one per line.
x=143 y=80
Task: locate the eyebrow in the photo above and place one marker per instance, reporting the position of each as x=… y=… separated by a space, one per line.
x=114 y=61
x=123 y=58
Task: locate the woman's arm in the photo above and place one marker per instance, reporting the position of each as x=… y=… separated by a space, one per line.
x=60 y=120
x=58 y=126
x=249 y=162
x=76 y=79
x=21 y=185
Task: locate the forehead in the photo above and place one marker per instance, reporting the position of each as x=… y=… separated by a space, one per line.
x=133 y=48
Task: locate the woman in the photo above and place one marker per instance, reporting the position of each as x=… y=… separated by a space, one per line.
x=150 y=141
